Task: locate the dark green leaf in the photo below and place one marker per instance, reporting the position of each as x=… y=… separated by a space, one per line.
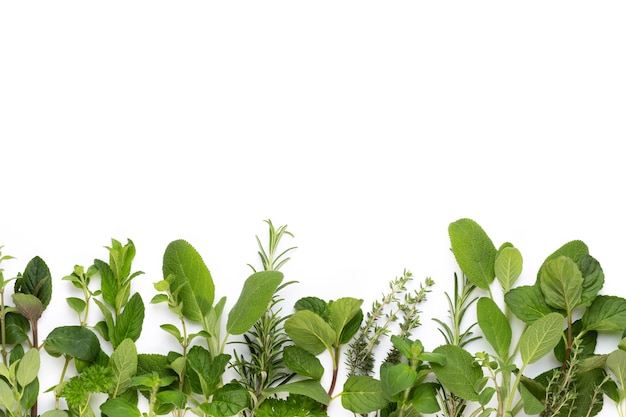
x=30 y=394
x=302 y=362
x=16 y=328
x=341 y=312
x=253 y=301
x=606 y=313
x=593 y=278
x=29 y=306
x=108 y=283
x=527 y=303
x=310 y=332
x=130 y=321
x=119 y=407
x=351 y=327
x=587 y=345
x=36 y=281
x=75 y=341
x=229 y=400
x=474 y=252
x=316 y=305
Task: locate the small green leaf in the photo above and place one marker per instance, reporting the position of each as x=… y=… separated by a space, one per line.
x=541 y=337
x=396 y=378
x=606 y=313
x=508 y=267
x=303 y=362
x=28 y=367
x=561 y=283
x=76 y=304
x=593 y=278
x=362 y=394
x=253 y=301
x=310 y=332
x=474 y=252
x=460 y=373
x=173 y=330
x=495 y=326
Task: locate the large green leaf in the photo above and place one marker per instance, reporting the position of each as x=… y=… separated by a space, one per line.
x=424 y=398
x=527 y=303
x=541 y=337
x=460 y=372
x=573 y=249
x=253 y=301
x=310 y=332
x=124 y=364
x=395 y=378
x=561 y=283
x=362 y=394
x=130 y=321
x=340 y=314
x=119 y=407
x=229 y=400
x=508 y=267
x=75 y=341
x=474 y=252
x=36 y=280
x=606 y=313
x=191 y=280
x=495 y=326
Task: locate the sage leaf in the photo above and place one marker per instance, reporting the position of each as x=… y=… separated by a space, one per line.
x=561 y=283
x=527 y=303
x=508 y=267
x=541 y=337
x=124 y=364
x=75 y=341
x=28 y=367
x=130 y=321
x=606 y=313
x=362 y=394
x=253 y=301
x=495 y=326
x=190 y=279
x=460 y=372
x=303 y=362
x=310 y=332
x=474 y=252
x=395 y=378
x=309 y=388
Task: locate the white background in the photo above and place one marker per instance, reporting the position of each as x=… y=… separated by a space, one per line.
x=367 y=127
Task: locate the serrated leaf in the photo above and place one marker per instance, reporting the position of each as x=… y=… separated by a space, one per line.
x=189 y=279
x=315 y=304
x=508 y=267
x=527 y=303
x=606 y=313
x=310 y=332
x=303 y=362
x=16 y=328
x=130 y=321
x=253 y=301
x=362 y=394
x=561 y=283
x=460 y=373
x=541 y=337
x=474 y=252
x=495 y=326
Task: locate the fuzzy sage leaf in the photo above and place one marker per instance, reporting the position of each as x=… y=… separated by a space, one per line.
x=474 y=252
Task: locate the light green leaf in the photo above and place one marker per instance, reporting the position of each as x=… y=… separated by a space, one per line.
x=119 y=407
x=55 y=413
x=28 y=367
x=460 y=372
x=124 y=364
x=76 y=304
x=495 y=326
x=395 y=378
x=7 y=399
x=341 y=311
x=310 y=332
x=561 y=283
x=190 y=279
x=227 y=401
x=573 y=249
x=541 y=337
x=309 y=388
x=508 y=267
x=606 y=313
x=474 y=252
x=616 y=362
x=303 y=362
x=362 y=394
x=253 y=301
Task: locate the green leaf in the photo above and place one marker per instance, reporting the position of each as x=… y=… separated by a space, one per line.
x=16 y=328
x=495 y=326
x=309 y=388
x=124 y=364
x=191 y=280
x=424 y=398
x=176 y=398
x=316 y=305
x=310 y=332
x=574 y=250
x=75 y=341
x=76 y=304
x=7 y=399
x=533 y=395
x=561 y=283
x=616 y=362
x=36 y=281
x=606 y=313
x=474 y=252
x=593 y=278
x=208 y=371
x=119 y=407
x=108 y=283
x=396 y=378
x=227 y=401
x=587 y=344
x=362 y=394
x=55 y=413
x=130 y=321
x=508 y=267
x=30 y=394
x=527 y=303
x=28 y=367
x=541 y=337
x=351 y=328
x=460 y=373
x=341 y=312
x=29 y=306
x=303 y=362
x=253 y=301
